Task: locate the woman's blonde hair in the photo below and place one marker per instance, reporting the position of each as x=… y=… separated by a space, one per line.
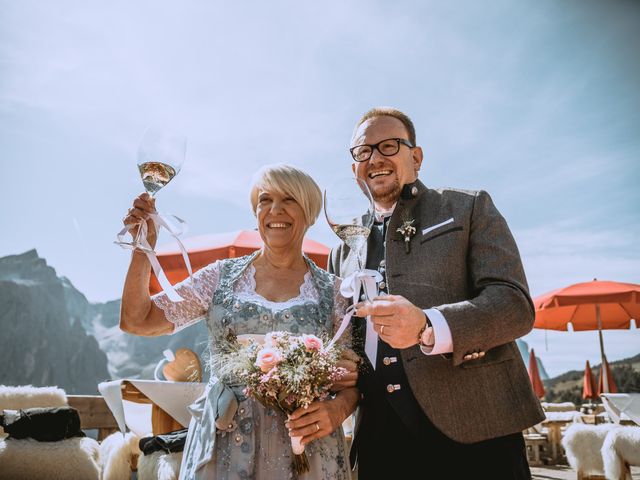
x=289 y=180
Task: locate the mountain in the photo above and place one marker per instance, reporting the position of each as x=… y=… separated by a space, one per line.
x=43 y=339
x=568 y=386
x=52 y=335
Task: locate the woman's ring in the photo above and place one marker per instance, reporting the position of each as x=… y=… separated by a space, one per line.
x=382 y=330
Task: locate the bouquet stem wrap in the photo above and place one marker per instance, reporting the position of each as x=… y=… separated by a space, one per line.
x=161 y=221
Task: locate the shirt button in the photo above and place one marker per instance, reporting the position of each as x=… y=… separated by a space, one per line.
x=265 y=317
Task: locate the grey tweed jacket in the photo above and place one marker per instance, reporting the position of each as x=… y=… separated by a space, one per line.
x=470 y=270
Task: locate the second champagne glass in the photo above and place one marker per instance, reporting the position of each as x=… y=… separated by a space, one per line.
x=348 y=207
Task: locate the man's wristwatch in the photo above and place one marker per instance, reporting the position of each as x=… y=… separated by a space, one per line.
x=421 y=336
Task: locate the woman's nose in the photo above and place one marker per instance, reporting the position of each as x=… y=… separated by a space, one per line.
x=276 y=207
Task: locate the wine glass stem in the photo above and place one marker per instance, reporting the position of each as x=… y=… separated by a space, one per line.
x=136 y=240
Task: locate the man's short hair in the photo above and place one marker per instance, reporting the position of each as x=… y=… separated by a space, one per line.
x=289 y=180
x=389 y=112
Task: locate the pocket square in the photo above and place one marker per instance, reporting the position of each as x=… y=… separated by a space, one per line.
x=433 y=227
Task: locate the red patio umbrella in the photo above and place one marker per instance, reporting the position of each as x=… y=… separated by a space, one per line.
x=606 y=376
x=206 y=249
x=588 y=383
x=596 y=305
x=534 y=375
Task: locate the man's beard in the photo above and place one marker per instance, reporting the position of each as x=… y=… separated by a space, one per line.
x=387 y=194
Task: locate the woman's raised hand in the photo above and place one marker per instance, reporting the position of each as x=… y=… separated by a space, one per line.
x=143 y=205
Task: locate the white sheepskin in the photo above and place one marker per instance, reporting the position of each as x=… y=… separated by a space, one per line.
x=621 y=446
x=27 y=396
x=582 y=444
x=116 y=452
x=70 y=459
x=159 y=466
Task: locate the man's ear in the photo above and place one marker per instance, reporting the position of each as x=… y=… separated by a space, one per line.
x=353 y=168
x=417 y=156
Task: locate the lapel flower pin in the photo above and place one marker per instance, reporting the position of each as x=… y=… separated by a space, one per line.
x=407 y=230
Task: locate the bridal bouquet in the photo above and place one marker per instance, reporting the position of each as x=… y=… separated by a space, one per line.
x=283 y=371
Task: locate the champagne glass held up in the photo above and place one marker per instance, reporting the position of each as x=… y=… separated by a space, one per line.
x=160 y=157
x=348 y=207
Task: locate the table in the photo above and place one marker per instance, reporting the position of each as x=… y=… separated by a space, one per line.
x=150 y=406
x=622 y=406
x=554 y=423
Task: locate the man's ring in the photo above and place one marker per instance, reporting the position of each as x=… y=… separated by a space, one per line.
x=382 y=330
x=317 y=427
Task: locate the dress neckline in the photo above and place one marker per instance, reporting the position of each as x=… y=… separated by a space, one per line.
x=304 y=286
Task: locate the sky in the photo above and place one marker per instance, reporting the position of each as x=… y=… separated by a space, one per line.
x=536 y=102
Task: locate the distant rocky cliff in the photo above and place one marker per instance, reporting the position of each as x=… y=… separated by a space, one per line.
x=50 y=334
x=43 y=341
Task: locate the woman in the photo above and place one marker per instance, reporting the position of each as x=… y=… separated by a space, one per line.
x=276 y=288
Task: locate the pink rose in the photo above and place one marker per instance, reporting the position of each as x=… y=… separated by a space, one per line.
x=311 y=342
x=268 y=358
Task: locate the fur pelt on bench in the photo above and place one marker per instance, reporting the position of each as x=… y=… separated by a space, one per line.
x=117 y=453
x=159 y=466
x=621 y=447
x=582 y=444
x=69 y=459
x=27 y=396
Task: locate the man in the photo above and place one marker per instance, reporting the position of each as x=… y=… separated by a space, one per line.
x=449 y=394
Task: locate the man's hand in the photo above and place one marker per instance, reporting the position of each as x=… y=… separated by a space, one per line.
x=397 y=320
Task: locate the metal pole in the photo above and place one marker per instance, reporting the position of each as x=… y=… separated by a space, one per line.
x=603 y=369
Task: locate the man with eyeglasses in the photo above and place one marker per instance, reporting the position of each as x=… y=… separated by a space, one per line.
x=449 y=394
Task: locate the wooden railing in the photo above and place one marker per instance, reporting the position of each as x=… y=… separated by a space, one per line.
x=94 y=414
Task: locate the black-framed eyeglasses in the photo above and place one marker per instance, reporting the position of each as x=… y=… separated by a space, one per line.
x=388 y=148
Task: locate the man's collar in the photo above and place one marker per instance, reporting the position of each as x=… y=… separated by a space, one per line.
x=410 y=190
x=382 y=214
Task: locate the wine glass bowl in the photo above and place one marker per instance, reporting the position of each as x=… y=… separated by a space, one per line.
x=348 y=208
x=161 y=154
x=160 y=157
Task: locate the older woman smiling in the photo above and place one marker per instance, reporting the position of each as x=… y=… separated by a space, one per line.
x=275 y=288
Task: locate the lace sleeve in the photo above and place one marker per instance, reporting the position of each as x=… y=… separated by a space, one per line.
x=340 y=305
x=197 y=298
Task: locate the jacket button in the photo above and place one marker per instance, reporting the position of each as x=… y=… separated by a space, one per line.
x=389 y=360
x=382 y=263
x=382 y=285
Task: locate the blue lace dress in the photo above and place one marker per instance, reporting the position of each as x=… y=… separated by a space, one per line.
x=256 y=444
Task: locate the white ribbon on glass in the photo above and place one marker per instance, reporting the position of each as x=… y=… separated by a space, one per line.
x=351 y=287
x=161 y=220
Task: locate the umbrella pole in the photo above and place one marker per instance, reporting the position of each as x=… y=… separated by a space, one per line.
x=603 y=369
